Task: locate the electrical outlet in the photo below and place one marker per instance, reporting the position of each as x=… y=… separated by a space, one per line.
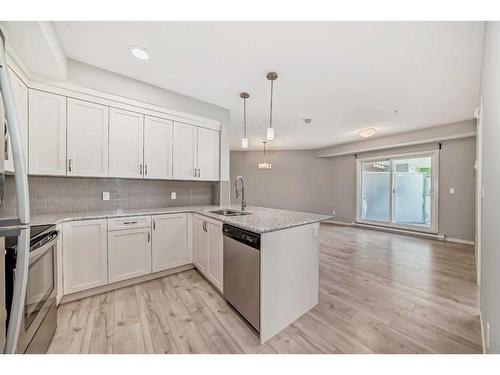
x=173 y=195
x=487 y=335
x=333 y=213
x=452 y=190
x=105 y=195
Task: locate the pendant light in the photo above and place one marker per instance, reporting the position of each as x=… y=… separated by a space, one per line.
x=244 y=140
x=272 y=76
x=265 y=164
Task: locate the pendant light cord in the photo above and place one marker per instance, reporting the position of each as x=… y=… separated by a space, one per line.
x=271 y=109
x=244 y=118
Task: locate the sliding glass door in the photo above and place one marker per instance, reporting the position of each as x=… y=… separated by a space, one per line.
x=398 y=191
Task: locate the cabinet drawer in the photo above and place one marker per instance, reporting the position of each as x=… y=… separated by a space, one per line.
x=129 y=222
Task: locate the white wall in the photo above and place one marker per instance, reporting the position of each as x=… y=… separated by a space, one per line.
x=490 y=255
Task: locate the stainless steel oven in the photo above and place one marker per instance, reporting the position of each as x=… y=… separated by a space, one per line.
x=39 y=316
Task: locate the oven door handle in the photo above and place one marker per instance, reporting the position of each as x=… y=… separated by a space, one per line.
x=37 y=253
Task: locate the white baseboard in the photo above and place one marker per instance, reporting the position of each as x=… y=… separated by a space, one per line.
x=458 y=240
x=400 y=231
x=482 y=331
x=335 y=222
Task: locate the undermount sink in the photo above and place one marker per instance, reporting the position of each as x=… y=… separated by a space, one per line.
x=227 y=212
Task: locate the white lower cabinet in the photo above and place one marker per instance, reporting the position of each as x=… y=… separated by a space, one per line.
x=200 y=243
x=169 y=241
x=104 y=251
x=129 y=253
x=85 y=255
x=208 y=249
x=215 y=254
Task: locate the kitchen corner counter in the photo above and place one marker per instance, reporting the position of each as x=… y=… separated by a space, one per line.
x=263 y=220
x=260 y=219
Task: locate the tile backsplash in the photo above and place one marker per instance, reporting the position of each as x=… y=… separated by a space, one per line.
x=53 y=195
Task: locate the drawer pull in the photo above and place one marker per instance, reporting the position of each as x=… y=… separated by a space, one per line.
x=130 y=222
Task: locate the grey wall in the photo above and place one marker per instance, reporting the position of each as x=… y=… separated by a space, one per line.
x=301 y=181
x=52 y=195
x=490 y=253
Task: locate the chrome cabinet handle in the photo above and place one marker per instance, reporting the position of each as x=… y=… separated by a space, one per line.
x=140 y=169
x=154 y=224
x=195 y=172
x=149 y=236
x=145 y=169
x=69 y=165
x=199 y=172
x=129 y=222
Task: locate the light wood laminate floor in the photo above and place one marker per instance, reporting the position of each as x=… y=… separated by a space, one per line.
x=379 y=293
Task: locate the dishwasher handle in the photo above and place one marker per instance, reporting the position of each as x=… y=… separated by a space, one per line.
x=243 y=236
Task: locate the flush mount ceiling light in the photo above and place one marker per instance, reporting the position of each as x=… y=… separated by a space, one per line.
x=367 y=132
x=139 y=52
x=272 y=76
x=265 y=164
x=244 y=140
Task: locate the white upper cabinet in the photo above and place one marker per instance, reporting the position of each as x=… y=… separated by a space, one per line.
x=87 y=145
x=20 y=91
x=185 y=152
x=157 y=148
x=208 y=154
x=196 y=153
x=126 y=130
x=47 y=133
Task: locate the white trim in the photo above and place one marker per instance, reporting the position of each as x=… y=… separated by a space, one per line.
x=78 y=92
x=403 y=144
x=458 y=240
x=483 y=342
x=479 y=188
x=342 y=223
x=388 y=229
x=434 y=228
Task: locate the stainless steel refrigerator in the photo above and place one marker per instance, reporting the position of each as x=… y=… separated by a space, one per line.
x=12 y=226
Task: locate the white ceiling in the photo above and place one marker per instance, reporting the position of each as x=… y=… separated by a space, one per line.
x=343 y=75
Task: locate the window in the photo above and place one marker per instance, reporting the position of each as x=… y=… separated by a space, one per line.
x=399 y=191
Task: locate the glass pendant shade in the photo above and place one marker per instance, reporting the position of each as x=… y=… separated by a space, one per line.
x=270 y=134
x=264 y=165
x=244 y=142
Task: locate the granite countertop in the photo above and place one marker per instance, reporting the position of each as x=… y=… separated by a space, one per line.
x=260 y=219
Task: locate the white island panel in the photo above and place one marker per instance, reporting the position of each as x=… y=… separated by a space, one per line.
x=289 y=277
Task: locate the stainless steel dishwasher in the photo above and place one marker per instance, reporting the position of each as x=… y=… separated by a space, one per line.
x=242 y=272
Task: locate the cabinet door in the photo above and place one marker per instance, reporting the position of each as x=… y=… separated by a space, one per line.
x=125 y=143
x=215 y=254
x=157 y=148
x=47 y=133
x=169 y=242
x=200 y=245
x=20 y=91
x=87 y=145
x=129 y=253
x=184 y=151
x=208 y=154
x=85 y=257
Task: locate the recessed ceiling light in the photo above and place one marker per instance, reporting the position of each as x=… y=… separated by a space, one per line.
x=139 y=52
x=367 y=132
